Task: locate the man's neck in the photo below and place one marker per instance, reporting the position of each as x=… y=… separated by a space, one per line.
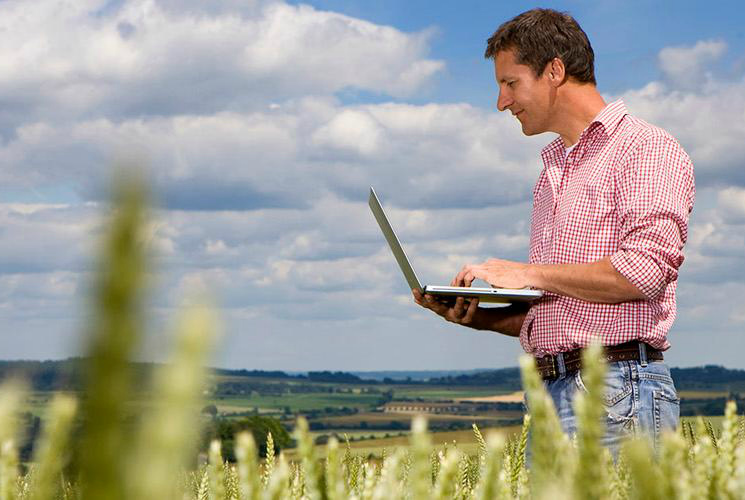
x=576 y=107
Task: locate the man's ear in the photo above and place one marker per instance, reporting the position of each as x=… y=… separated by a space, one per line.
x=555 y=72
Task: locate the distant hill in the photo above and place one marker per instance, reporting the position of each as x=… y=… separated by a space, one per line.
x=707 y=377
x=417 y=375
x=56 y=375
x=67 y=375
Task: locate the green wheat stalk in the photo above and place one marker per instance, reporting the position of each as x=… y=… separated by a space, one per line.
x=590 y=480
x=169 y=432
x=268 y=468
x=216 y=472
x=420 y=477
x=493 y=483
x=51 y=453
x=552 y=451
x=249 y=478
x=115 y=335
x=11 y=394
x=313 y=472
x=279 y=482
x=389 y=487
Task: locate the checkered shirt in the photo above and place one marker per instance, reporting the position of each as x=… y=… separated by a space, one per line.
x=625 y=191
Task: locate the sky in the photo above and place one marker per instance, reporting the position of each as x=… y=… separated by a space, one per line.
x=261 y=126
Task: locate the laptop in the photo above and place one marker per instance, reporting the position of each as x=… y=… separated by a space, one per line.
x=444 y=293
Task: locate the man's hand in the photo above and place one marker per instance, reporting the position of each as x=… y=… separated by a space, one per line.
x=506 y=320
x=497 y=272
x=461 y=312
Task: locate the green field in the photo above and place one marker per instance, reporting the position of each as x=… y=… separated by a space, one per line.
x=296 y=402
x=701 y=394
x=439 y=393
x=715 y=420
x=465 y=441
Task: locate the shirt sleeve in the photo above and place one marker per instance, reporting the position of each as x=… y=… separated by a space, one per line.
x=655 y=193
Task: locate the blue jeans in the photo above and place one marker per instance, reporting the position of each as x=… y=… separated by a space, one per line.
x=640 y=399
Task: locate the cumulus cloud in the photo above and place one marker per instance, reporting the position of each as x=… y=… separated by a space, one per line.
x=684 y=67
x=29 y=231
x=435 y=155
x=84 y=59
x=710 y=124
x=732 y=204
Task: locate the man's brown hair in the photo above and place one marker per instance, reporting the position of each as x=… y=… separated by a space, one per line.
x=538 y=36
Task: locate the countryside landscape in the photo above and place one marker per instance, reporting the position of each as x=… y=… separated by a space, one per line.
x=180 y=430
x=372 y=410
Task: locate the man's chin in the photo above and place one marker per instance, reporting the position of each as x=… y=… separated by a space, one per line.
x=528 y=130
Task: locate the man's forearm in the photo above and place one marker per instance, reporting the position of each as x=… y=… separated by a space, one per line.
x=594 y=282
x=504 y=320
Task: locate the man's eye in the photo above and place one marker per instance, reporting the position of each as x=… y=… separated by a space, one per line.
x=511 y=84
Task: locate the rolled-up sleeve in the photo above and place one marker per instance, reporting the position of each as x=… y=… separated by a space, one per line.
x=655 y=194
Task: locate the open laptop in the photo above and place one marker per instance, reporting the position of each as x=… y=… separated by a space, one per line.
x=445 y=293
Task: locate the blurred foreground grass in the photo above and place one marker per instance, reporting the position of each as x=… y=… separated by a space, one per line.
x=154 y=456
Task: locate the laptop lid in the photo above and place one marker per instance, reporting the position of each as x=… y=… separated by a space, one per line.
x=392 y=239
x=446 y=293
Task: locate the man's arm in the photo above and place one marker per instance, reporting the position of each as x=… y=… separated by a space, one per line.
x=504 y=320
x=596 y=281
x=655 y=197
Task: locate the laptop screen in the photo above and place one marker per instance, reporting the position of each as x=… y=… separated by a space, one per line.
x=393 y=242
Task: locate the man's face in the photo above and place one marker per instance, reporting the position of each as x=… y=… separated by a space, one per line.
x=520 y=92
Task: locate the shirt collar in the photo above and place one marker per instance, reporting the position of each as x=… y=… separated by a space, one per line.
x=610 y=116
x=608 y=119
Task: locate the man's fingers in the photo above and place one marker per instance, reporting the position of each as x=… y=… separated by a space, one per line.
x=458 y=277
x=435 y=305
x=469 y=277
x=471 y=310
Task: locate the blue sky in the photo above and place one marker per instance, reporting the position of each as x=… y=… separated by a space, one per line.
x=626 y=37
x=261 y=125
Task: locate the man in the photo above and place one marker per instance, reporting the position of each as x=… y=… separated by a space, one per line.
x=610 y=217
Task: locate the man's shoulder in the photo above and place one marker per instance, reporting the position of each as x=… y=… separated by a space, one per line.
x=633 y=133
x=635 y=128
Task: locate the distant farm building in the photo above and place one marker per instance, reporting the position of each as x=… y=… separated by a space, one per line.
x=421 y=407
x=462 y=407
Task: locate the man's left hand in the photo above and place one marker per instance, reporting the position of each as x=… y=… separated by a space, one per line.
x=497 y=272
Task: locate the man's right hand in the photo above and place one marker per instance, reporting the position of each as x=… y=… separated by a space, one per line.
x=460 y=312
x=506 y=320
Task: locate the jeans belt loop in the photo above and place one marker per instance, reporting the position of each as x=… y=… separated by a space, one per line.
x=642 y=353
x=561 y=365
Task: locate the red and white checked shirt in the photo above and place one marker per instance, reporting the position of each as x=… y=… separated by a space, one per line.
x=625 y=191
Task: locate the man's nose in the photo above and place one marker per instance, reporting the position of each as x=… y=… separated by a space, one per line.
x=503 y=101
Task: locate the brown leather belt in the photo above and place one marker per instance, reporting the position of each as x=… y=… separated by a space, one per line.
x=549 y=367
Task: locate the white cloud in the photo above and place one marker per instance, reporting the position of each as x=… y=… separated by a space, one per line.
x=710 y=125
x=46 y=238
x=685 y=66
x=351 y=130
x=436 y=155
x=74 y=59
x=732 y=204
